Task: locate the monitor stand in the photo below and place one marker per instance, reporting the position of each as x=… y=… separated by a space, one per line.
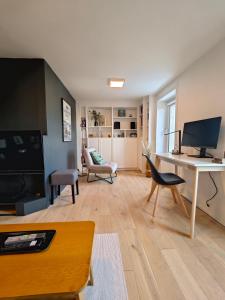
x=202 y=154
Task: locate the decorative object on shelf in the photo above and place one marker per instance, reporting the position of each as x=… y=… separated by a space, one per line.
x=83 y=122
x=130 y=115
x=90 y=135
x=121 y=112
x=147 y=151
x=132 y=125
x=122 y=134
x=95 y=116
x=116 y=125
x=66 y=118
x=109 y=135
x=101 y=120
x=133 y=134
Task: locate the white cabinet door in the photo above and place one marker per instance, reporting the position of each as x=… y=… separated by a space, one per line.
x=125 y=152
x=105 y=148
x=94 y=143
x=119 y=152
x=131 y=157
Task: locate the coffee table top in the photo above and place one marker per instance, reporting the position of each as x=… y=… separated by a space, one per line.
x=63 y=268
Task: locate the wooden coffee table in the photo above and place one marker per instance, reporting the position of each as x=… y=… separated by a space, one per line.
x=64 y=269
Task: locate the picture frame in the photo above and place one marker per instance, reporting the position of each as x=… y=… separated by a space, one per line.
x=66 y=121
x=121 y=112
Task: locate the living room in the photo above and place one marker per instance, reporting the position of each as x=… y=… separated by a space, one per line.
x=112 y=149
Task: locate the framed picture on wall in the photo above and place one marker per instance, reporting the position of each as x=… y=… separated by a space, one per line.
x=66 y=119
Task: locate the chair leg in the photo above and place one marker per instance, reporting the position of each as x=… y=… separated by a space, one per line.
x=52 y=194
x=181 y=201
x=173 y=194
x=91 y=278
x=73 y=193
x=77 y=187
x=59 y=191
x=156 y=201
x=154 y=184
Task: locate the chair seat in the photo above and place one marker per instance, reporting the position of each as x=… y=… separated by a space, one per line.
x=64 y=177
x=108 y=167
x=171 y=179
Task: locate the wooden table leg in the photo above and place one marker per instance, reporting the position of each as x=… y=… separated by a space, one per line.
x=194 y=203
x=176 y=169
x=91 y=279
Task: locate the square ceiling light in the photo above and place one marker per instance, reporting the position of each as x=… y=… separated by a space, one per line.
x=116 y=83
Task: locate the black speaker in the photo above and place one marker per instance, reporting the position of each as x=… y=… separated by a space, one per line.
x=132 y=125
x=116 y=125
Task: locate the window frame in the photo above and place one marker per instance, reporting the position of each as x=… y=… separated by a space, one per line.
x=171 y=103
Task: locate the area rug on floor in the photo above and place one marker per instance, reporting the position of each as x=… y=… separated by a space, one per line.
x=109 y=280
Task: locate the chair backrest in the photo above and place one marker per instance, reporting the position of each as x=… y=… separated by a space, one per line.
x=87 y=156
x=154 y=172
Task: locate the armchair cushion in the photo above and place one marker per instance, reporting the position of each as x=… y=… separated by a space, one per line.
x=97 y=158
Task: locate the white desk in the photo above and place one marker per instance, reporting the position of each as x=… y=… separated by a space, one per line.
x=197 y=165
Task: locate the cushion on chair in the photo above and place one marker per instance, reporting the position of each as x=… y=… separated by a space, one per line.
x=87 y=156
x=171 y=179
x=64 y=177
x=107 y=168
x=97 y=158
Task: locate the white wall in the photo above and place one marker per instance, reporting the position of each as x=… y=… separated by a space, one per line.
x=201 y=94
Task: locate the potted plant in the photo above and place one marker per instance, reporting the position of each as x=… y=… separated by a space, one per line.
x=147 y=151
x=95 y=116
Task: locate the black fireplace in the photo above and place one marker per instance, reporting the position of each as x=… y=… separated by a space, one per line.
x=21 y=169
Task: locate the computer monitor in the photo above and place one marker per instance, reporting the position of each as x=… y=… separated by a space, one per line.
x=202 y=134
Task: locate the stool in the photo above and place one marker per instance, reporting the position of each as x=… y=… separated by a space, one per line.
x=64 y=177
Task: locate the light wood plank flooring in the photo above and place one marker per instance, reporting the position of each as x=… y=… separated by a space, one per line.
x=160 y=261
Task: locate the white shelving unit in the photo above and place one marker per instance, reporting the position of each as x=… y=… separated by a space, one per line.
x=119 y=145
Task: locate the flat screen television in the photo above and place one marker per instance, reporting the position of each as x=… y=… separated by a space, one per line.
x=202 y=134
x=21 y=152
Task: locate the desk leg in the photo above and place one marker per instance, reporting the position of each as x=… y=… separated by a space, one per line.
x=194 y=204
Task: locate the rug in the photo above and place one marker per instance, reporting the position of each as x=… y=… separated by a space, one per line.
x=109 y=280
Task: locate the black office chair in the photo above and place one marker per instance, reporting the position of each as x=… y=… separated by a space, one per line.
x=168 y=180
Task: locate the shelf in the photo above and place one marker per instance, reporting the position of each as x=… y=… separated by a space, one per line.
x=125 y=129
x=124 y=117
x=99 y=126
x=125 y=137
x=99 y=137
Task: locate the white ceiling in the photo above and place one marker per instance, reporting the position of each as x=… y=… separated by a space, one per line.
x=147 y=42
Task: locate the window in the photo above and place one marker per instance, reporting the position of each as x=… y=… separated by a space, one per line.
x=172 y=125
x=166 y=122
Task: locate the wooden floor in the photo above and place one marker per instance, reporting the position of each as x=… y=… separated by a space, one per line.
x=160 y=261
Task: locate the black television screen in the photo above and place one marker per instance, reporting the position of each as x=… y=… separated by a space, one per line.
x=21 y=151
x=202 y=133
